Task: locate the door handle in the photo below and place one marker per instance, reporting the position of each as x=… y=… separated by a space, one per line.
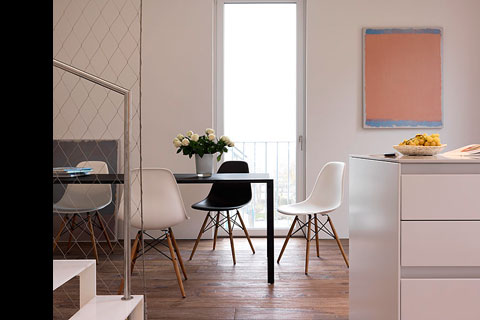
x=300 y=141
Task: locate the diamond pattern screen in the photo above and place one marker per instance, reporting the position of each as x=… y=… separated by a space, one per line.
x=102 y=38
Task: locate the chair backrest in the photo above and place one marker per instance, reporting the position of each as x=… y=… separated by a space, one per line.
x=232 y=193
x=162 y=202
x=328 y=189
x=88 y=196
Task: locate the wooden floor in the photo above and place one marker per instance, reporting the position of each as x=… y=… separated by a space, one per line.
x=216 y=289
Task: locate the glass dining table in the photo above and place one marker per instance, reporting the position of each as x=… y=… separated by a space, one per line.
x=189 y=178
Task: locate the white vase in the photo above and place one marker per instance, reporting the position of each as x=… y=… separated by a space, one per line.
x=204 y=165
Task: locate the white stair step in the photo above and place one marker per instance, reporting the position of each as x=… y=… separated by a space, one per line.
x=64 y=270
x=111 y=308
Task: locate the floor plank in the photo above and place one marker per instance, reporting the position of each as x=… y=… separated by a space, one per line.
x=217 y=289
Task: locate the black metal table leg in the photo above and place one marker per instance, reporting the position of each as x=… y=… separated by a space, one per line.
x=270 y=233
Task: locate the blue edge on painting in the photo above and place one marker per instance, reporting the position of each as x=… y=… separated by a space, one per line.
x=402 y=124
x=405 y=30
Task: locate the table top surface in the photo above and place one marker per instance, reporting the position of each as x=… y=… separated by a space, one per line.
x=419 y=159
x=222 y=177
x=114 y=178
x=105 y=178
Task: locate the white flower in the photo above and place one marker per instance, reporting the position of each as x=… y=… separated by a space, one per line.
x=211 y=136
x=225 y=139
x=231 y=144
x=189 y=133
x=180 y=136
x=194 y=137
x=185 y=142
x=177 y=143
x=209 y=131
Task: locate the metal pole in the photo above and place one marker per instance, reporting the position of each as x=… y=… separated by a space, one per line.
x=126 y=190
x=90 y=77
x=127 y=102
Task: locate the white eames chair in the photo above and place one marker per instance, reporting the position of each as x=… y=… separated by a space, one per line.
x=83 y=201
x=326 y=196
x=163 y=208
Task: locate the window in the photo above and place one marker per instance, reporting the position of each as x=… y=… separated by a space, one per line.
x=258 y=100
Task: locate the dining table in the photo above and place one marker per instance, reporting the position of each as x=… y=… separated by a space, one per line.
x=192 y=178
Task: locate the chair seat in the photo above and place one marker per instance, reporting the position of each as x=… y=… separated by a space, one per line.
x=64 y=209
x=303 y=208
x=209 y=204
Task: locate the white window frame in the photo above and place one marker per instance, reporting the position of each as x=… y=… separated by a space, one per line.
x=218 y=99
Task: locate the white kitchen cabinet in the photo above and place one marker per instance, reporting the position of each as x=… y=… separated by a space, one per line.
x=414 y=238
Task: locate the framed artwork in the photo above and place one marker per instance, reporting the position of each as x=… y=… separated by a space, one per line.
x=402 y=78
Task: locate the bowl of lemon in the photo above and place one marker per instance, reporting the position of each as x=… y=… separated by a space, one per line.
x=421 y=145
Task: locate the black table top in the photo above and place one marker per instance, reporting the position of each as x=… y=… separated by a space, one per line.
x=105 y=178
x=222 y=177
x=114 y=178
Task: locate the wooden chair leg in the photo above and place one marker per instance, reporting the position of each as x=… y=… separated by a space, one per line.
x=338 y=242
x=308 y=243
x=92 y=236
x=245 y=230
x=178 y=253
x=104 y=230
x=316 y=235
x=135 y=248
x=217 y=219
x=287 y=238
x=199 y=236
x=175 y=265
x=64 y=223
x=72 y=226
x=133 y=258
x=230 y=234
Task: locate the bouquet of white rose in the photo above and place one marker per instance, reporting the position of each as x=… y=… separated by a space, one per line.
x=192 y=143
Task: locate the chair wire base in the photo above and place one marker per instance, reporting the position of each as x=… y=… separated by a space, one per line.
x=153 y=245
x=86 y=224
x=220 y=224
x=215 y=222
x=140 y=248
x=315 y=232
x=309 y=237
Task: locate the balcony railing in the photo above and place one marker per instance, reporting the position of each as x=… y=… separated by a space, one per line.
x=278 y=159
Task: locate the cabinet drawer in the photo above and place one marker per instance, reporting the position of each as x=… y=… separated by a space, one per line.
x=440 y=243
x=440 y=197
x=440 y=299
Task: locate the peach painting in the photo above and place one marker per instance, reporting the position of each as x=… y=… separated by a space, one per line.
x=402 y=78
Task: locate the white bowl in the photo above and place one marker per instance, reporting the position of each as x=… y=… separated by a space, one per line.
x=419 y=150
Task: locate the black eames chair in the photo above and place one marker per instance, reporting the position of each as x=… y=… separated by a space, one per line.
x=224 y=197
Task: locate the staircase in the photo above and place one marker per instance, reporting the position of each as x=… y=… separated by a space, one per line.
x=93 y=307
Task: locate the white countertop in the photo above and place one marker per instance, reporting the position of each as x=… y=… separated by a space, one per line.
x=419 y=159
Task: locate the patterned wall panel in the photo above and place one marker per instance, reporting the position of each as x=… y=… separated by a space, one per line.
x=101 y=37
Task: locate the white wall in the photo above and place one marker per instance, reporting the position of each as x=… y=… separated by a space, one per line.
x=177 y=91
x=334 y=78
